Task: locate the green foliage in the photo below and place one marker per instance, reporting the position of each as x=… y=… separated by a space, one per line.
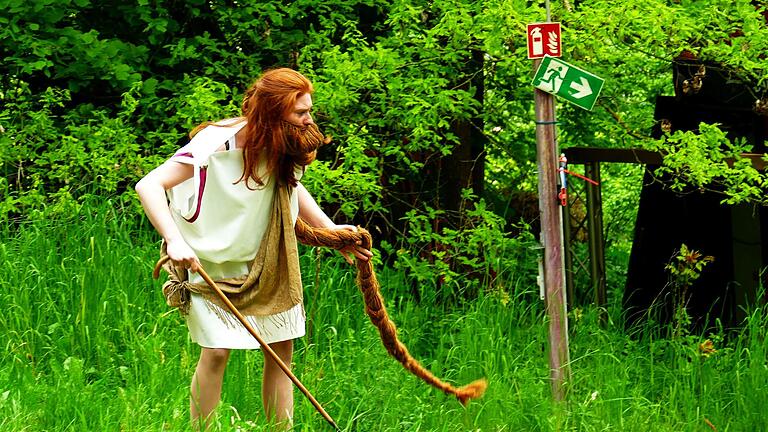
x=53 y=158
x=707 y=159
x=397 y=89
x=353 y=175
x=202 y=98
x=684 y=269
x=461 y=262
x=47 y=38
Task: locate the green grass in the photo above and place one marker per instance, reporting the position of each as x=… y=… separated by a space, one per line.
x=90 y=345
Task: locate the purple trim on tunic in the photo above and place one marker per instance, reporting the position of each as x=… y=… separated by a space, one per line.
x=200 y=190
x=185 y=154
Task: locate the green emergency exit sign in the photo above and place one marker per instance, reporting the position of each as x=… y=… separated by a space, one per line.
x=569 y=82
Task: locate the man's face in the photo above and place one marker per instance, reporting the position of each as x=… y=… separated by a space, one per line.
x=301 y=115
x=301 y=136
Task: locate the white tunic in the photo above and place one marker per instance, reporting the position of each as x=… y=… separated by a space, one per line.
x=223 y=222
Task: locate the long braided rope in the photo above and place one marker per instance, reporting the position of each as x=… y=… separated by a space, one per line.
x=374 y=307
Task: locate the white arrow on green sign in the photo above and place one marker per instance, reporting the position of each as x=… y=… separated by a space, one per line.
x=571 y=83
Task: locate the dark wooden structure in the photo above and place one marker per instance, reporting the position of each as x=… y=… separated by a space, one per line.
x=733 y=235
x=736 y=235
x=588 y=198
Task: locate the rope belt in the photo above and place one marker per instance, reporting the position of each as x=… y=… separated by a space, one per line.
x=374 y=306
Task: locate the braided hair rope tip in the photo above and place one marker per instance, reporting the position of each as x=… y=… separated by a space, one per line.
x=374 y=307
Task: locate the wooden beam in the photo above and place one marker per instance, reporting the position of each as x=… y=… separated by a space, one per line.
x=585 y=155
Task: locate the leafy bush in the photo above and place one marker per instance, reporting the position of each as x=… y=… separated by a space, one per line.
x=707 y=159
x=455 y=263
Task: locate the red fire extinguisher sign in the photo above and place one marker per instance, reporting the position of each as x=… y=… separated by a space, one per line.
x=544 y=40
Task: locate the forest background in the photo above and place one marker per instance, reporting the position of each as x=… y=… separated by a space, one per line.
x=431 y=110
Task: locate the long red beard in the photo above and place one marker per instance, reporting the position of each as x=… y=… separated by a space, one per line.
x=302 y=142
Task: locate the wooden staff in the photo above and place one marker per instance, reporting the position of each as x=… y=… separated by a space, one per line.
x=267 y=349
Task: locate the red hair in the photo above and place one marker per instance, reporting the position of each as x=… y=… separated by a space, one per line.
x=265 y=105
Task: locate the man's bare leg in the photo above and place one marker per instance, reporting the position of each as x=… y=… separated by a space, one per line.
x=206 y=385
x=277 y=388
